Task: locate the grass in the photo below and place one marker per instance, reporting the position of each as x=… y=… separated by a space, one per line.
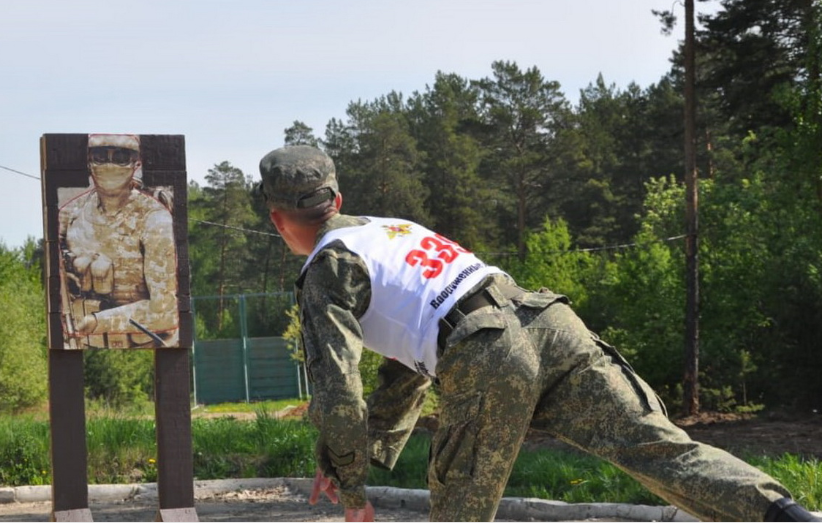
x=579 y=478
x=265 y=447
x=122 y=449
x=265 y=406
x=803 y=478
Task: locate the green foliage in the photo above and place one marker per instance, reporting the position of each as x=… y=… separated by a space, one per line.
x=23 y=376
x=101 y=408
x=119 y=378
x=267 y=447
x=518 y=111
x=288 y=446
x=574 y=478
x=24 y=452
x=268 y=405
x=384 y=177
x=369 y=361
x=752 y=51
x=293 y=333
x=457 y=196
x=801 y=476
x=552 y=262
x=734 y=264
x=300 y=134
x=645 y=296
x=222 y=209
x=411 y=469
x=635 y=296
x=369 y=365
x=121 y=449
x=234 y=316
x=218 y=317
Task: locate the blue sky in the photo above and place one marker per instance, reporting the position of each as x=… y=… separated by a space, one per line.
x=232 y=75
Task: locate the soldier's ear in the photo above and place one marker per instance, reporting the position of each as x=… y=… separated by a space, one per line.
x=137 y=174
x=338 y=201
x=276 y=218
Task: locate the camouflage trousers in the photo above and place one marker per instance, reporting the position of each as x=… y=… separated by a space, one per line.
x=533 y=363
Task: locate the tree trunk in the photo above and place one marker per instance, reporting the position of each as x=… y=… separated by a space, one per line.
x=690 y=396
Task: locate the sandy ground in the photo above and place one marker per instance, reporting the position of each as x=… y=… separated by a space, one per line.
x=275 y=504
x=288 y=503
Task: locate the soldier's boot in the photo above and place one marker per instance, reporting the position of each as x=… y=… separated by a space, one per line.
x=786 y=509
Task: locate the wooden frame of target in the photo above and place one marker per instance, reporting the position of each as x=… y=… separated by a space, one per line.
x=117 y=277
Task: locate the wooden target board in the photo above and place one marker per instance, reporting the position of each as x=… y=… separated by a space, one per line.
x=117 y=277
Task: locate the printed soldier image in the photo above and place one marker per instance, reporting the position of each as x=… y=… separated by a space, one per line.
x=118 y=258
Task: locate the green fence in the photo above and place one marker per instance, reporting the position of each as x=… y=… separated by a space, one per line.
x=238 y=353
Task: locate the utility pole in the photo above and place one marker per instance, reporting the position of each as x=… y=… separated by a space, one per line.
x=690 y=385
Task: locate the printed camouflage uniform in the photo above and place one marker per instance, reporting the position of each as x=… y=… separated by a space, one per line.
x=527 y=361
x=122 y=266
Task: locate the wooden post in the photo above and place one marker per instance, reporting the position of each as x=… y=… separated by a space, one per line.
x=172 y=368
x=63 y=156
x=69 y=486
x=175 y=483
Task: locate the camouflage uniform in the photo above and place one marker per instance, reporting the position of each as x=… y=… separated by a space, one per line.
x=527 y=361
x=128 y=269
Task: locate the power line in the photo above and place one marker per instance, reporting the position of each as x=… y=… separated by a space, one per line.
x=626 y=245
x=589 y=249
x=235 y=228
x=252 y=231
x=18 y=172
x=193 y=220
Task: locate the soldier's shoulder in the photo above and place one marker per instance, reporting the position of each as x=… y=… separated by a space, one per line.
x=78 y=199
x=147 y=203
x=76 y=204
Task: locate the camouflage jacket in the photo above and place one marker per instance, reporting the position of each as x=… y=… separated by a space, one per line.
x=138 y=242
x=332 y=293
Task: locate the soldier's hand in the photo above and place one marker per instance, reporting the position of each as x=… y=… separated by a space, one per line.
x=87 y=324
x=323 y=484
x=81 y=271
x=102 y=274
x=360 y=514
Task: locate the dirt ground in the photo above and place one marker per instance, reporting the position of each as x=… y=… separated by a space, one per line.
x=277 y=504
x=769 y=434
x=772 y=434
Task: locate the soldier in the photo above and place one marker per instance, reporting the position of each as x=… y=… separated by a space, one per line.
x=119 y=256
x=504 y=358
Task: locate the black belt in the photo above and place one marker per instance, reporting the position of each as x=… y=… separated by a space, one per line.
x=478 y=300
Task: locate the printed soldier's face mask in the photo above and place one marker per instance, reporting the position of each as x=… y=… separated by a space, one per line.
x=112 y=167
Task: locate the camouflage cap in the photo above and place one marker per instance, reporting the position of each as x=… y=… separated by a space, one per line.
x=297 y=177
x=125 y=141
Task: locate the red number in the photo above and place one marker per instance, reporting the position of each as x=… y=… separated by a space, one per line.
x=457 y=246
x=445 y=251
x=420 y=257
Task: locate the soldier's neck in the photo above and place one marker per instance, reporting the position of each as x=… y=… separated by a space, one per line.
x=111 y=203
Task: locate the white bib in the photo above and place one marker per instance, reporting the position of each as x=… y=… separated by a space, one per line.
x=416 y=276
